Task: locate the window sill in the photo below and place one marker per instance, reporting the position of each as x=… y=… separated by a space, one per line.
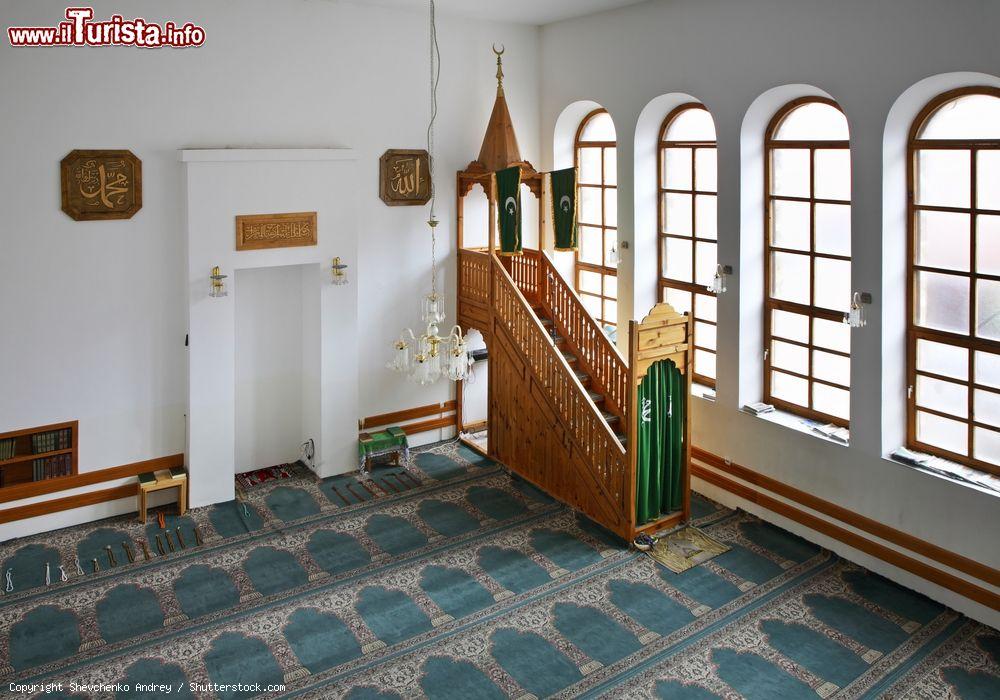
x=702 y=392
x=956 y=473
x=797 y=423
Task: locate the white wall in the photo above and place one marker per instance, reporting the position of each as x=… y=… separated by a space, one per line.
x=307 y=73
x=726 y=54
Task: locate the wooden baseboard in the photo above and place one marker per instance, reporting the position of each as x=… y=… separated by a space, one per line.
x=56 y=505
x=891 y=556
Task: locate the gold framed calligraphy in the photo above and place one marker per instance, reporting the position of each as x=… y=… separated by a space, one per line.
x=101 y=185
x=256 y=231
x=404 y=177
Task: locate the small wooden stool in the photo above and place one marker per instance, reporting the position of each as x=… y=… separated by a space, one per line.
x=163 y=479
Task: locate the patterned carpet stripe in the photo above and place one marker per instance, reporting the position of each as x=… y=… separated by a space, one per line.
x=459 y=581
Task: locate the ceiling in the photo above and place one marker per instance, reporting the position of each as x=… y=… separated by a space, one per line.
x=519 y=11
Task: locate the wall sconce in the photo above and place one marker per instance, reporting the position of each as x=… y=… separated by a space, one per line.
x=855 y=318
x=218 y=288
x=614 y=259
x=718 y=283
x=338 y=272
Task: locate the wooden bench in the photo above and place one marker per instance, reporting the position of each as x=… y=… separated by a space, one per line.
x=159 y=480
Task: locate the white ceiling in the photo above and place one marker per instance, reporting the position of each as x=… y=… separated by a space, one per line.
x=519 y=11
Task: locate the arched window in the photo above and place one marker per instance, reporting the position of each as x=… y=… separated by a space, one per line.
x=953 y=353
x=597 y=216
x=807 y=265
x=687 y=203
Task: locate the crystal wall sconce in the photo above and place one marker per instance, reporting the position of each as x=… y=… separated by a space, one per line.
x=338 y=272
x=718 y=283
x=855 y=318
x=218 y=288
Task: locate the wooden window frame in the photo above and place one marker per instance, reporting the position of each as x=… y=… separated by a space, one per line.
x=603 y=269
x=664 y=282
x=810 y=310
x=970 y=342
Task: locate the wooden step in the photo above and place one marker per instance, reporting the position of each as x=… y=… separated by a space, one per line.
x=596 y=396
x=583 y=377
x=610 y=418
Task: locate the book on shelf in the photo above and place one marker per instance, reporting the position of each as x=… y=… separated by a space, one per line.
x=7 y=447
x=51 y=440
x=51 y=467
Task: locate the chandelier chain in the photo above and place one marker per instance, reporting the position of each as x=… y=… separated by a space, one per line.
x=435 y=78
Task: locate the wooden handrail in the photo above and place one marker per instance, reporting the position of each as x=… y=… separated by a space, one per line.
x=597 y=445
x=598 y=354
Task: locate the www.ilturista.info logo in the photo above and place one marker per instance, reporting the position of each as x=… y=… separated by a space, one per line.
x=81 y=30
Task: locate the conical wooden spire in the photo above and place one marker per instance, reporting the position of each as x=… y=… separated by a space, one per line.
x=499 y=149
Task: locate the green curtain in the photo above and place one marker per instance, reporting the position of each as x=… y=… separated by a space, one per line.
x=508 y=189
x=660 y=444
x=563 y=190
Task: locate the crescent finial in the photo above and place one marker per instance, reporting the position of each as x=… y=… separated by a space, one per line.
x=500 y=52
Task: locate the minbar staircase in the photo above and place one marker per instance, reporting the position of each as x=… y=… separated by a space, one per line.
x=561 y=396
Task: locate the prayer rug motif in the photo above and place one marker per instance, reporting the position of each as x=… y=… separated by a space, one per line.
x=684 y=548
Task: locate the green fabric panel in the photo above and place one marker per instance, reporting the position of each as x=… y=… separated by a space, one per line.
x=381 y=441
x=660 y=441
x=563 y=186
x=509 y=210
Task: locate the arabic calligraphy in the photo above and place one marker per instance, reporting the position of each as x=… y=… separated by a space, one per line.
x=101 y=185
x=104 y=184
x=405 y=180
x=254 y=231
x=404 y=177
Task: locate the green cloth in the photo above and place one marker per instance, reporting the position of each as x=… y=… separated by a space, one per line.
x=563 y=189
x=383 y=442
x=508 y=184
x=660 y=457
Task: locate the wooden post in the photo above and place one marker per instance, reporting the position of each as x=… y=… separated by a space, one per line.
x=633 y=427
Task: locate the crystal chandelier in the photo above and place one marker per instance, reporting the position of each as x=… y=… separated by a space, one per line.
x=430 y=356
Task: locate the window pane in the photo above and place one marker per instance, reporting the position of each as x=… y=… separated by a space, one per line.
x=785 y=324
x=590 y=282
x=611 y=286
x=788 y=388
x=988 y=309
x=599 y=128
x=831 y=335
x=790 y=277
x=833 y=229
x=790 y=174
x=592 y=304
x=791 y=225
x=611 y=207
x=830 y=400
x=705 y=216
x=988 y=179
x=987 y=369
x=941 y=432
x=704 y=335
x=704 y=307
x=678 y=298
x=590 y=245
x=833 y=284
x=988 y=244
x=832 y=368
x=693 y=124
x=590 y=165
x=610 y=166
x=677 y=168
x=812 y=121
x=705 y=262
x=943 y=178
x=677 y=259
x=947 y=397
x=943 y=359
x=966 y=117
x=987 y=408
x=833 y=174
x=704 y=363
x=590 y=205
x=943 y=240
x=705 y=165
x=610 y=311
x=677 y=214
x=610 y=247
x=794 y=358
x=987 y=445
x=942 y=302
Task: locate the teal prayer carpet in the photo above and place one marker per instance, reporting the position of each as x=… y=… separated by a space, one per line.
x=456 y=580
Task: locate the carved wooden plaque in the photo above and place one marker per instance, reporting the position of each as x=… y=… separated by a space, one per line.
x=101 y=185
x=404 y=177
x=255 y=231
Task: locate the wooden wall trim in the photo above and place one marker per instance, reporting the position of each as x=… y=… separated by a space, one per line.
x=55 y=505
x=395 y=417
x=852 y=539
x=432 y=424
x=889 y=534
x=64 y=483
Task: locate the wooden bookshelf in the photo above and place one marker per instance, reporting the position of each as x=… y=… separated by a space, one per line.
x=56 y=447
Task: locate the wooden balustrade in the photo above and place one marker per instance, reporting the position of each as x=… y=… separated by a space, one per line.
x=542 y=423
x=474 y=290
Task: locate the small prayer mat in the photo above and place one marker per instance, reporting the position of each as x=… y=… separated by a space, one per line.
x=259 y=476
x=685 y=548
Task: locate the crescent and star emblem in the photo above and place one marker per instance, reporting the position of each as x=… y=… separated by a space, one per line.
x=564 y=203
x=510 y=205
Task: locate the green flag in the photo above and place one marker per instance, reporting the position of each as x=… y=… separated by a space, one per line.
x=659 y=458
x=563 y=190
x=508 y=184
